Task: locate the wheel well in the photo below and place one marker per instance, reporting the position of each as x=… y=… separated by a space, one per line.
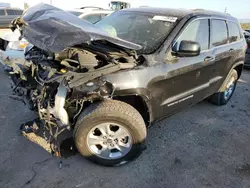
x=239 y=68
x=138 y=103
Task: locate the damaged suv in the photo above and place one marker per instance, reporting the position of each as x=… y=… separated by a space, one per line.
x=104 y=84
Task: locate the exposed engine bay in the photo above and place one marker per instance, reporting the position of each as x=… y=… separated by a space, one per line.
x=60 y=84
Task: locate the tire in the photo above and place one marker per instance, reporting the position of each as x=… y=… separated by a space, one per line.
x=119 y=113
x=220 y=98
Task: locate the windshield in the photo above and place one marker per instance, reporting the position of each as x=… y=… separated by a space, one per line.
x=140 y=28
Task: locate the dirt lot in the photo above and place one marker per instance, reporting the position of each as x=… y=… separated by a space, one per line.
x=203 y=146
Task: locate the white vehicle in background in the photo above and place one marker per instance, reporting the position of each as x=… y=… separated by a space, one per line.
x=91 y=14
x=7 y=14
x=119 y=5
x=13 y=47
x=10 y=41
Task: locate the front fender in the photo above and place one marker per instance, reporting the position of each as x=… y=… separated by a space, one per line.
x=132 y=83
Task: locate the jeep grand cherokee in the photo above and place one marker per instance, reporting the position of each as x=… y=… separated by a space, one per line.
x=105 y=83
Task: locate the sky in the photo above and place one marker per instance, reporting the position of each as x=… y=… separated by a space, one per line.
x=237 y=8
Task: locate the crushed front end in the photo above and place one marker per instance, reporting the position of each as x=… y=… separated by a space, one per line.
x=60 y=81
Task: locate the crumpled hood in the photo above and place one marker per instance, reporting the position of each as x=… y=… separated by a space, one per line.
x=53 y=29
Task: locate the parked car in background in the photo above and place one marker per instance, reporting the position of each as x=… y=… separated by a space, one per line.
x=247 y=59
x=119 y=5
x=7 y=14
x=246 y=34
x=91 y=14
x=13 y=47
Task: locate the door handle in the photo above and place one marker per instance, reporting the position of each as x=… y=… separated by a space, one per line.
x=231 y=50
x=209 y=58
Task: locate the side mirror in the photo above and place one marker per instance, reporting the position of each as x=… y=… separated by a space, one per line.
x=187 y=49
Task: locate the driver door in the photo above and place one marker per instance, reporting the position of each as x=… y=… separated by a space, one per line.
x=188 y=78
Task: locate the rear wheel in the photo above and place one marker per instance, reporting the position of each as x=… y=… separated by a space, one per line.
x=110 y=133
x=226 y=92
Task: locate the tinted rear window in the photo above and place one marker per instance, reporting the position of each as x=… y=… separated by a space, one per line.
x=219 y=32
x=234 y=32
x=10 y=12
x=2 y=12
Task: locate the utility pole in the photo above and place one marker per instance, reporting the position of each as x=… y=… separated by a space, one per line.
x=225 y=10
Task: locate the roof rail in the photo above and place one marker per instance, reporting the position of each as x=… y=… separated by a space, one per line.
x=91 y=7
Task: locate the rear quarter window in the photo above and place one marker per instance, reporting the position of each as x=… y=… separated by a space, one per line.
x=219 y=32
x=10 y=12
x=234 y=32
x=76 y=13
x=92 y=18
x=103 y=15
x=2 y=12
x=18 y=12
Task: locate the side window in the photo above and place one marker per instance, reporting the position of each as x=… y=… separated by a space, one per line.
x=2 y=12
x=92 y=18
x=10 y=12
x=104 y=15
x=234 y=32
x=219 y=32
x=18 y=12
x=197 y=31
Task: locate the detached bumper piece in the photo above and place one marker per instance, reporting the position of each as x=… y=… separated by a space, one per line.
x=56 y=140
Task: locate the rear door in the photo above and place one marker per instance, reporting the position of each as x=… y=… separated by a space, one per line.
x=226 y=42
x=236 y=41
x=189 y=77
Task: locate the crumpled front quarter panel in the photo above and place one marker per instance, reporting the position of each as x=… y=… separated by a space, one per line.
x=142 y=81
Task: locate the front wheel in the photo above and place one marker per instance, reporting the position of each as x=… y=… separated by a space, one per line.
x=110 y=133
x=226 y=92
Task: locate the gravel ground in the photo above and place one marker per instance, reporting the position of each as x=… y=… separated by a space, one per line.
x=202 y=146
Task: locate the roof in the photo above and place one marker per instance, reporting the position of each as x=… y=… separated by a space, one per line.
x=10 y=8
x=179 y=13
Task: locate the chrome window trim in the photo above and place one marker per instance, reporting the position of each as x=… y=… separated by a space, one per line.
x=209 y=18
